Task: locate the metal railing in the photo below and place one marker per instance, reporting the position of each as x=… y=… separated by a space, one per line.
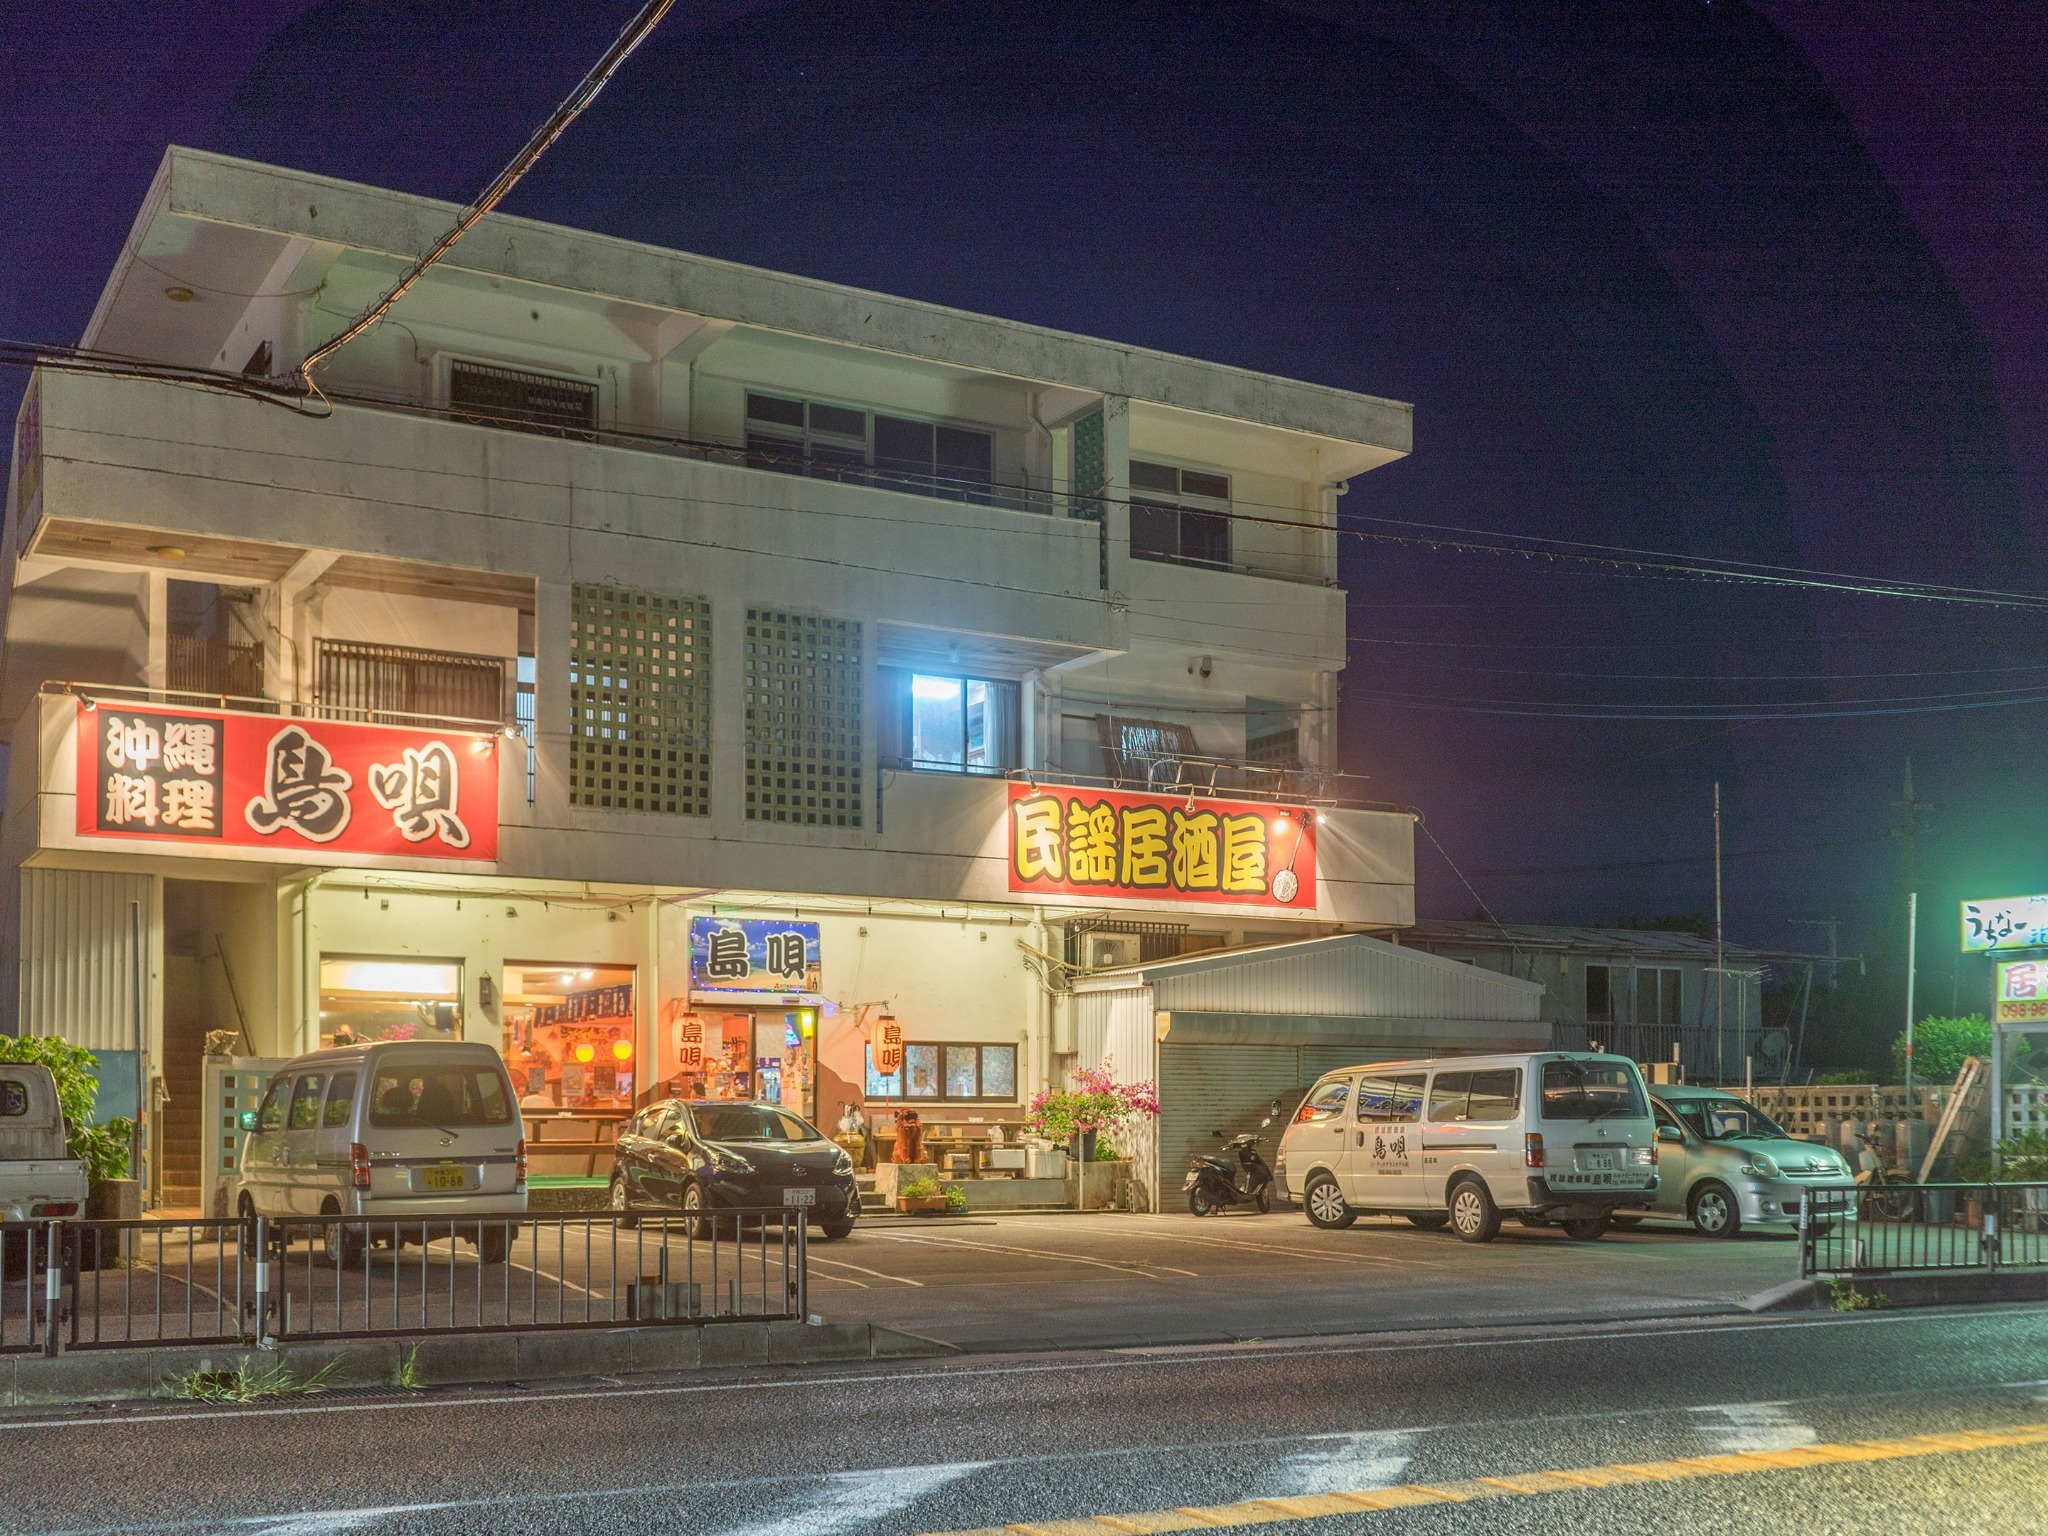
x=194 y=664
x=1897 y=1229
x=79 y=1285
x=402 y=682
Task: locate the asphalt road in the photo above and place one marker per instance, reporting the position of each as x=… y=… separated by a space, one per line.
x=972 y=1442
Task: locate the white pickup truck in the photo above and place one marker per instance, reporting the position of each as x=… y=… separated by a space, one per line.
x=36 y=1179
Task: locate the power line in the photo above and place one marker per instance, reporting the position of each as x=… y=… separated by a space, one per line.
x=1540 y=552
x=558 y=121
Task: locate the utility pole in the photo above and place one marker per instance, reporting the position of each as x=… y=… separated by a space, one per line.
x=1912 y=934
x=1720 y=958
x=1908 y=828
x=1834 y=928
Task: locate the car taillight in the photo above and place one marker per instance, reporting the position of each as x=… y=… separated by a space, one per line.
x=359 y=1165
x=1532 y=1150
x=54 y=1208
x=1652 y=1150
x=519 y=1163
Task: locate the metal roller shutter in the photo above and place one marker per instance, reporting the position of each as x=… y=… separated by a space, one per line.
x=1227 y=1088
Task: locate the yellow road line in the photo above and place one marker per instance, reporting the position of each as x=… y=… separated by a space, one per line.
x=1322 y=1506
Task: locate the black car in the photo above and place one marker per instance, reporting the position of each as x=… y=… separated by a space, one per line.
x=700 y=1157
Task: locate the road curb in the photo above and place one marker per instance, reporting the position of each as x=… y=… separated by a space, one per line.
x=1792 y=1296
x=446 y=1360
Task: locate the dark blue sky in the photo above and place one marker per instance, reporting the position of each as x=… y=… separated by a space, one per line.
x=1755 y=282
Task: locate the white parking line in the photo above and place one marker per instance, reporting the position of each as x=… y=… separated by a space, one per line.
x=1299 y=1253
x=1145 y=1273
x=860 y=1269
x=1328 y=1464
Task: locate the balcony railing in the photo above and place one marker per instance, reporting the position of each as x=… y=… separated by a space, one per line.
x=1044 y=500
x=394 y=682
x=199 y=664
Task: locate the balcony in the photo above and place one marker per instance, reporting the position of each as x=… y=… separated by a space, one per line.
x=393 y=684
x=200 y=664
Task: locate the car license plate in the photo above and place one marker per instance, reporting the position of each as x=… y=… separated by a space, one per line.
x=799 y=1197
x=443 y=1178
x=1599 y=1162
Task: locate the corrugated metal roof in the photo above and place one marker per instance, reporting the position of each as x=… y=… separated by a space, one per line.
x=1650 y=943
x=1351 y=975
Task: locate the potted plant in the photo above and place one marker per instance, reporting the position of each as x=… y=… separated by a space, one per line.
x=1095 y=1104
x=923 y=1197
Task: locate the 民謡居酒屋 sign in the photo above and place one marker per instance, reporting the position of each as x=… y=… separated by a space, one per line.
x=202 y=783
x=1089 y=843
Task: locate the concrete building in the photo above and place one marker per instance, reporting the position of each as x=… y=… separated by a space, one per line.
x=1642 y=992
x=679 y=675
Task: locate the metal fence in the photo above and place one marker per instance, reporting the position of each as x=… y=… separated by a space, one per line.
x=68 y=1285
x=1922 y=1228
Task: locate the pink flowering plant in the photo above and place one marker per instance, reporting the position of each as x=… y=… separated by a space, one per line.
x=1095 y=1102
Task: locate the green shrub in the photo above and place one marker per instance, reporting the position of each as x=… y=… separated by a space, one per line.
x=1939 y=1046
x=102 y=1148
x=2023 y=1158
x=1840 y=1079
x=956 y=1199
x=925 y=1188
x=1105 y=1153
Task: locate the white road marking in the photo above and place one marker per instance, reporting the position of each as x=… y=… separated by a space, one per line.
x=854 y=1498
x=1375 y=1459
x=805 y=1380
x=1145 y=1273
x=876 y=1273
x=1755 y=1427
x=1298 y=1253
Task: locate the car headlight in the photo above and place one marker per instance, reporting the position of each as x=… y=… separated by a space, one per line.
x=731 y=1162
x=843 y=1163
x=1761 y=1166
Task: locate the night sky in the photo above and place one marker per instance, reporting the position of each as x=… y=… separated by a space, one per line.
x=1763 y=282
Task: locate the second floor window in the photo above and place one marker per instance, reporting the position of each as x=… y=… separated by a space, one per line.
x=838 y=442
x=1181 y=516
x=513 y=397
x=948 y=724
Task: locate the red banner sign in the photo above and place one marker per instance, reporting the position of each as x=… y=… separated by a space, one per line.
x=305 y=786
x=1089 y=842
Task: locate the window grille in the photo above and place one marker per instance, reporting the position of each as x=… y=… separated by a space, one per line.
x=356 y=677
x=804 y=720
x=639 y=701
x=501 y=397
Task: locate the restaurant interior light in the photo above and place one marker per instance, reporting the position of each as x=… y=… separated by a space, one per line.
x=585 y=1053
x=622 y=1050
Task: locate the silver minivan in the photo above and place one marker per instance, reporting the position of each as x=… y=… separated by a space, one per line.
x=1548 y=1136
x=406 y=1128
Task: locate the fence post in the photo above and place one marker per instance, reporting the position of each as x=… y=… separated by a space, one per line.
x=1988 y=1241
x=803 y=1268
x=262 y=1280
x=1806 y=1257
x=53 y=1290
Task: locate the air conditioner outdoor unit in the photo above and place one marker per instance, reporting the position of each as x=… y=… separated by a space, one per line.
x=1111 y=949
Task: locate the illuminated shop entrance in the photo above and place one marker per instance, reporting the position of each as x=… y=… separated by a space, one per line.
x=764 y=1054
x=570 y=1039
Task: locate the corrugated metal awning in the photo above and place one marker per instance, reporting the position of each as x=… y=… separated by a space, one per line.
x=1372 y=1036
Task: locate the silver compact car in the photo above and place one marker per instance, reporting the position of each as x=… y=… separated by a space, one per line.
x=1724 y=1164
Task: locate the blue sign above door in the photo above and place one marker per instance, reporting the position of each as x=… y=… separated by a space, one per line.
x=772 y=955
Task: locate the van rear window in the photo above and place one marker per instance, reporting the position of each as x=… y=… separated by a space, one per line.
x=442 y=1095
x=1590 y=1090
x=13 y=1097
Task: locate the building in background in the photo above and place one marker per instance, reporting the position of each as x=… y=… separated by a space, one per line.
x=1648 y=994
x=678 y=675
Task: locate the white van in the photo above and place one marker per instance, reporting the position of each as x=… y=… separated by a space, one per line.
x=1563 y=1136
x=412 y=1128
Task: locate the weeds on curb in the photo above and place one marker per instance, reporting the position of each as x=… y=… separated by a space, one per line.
x=409 y=1371
x=244 y=1383
x=1844 y=1297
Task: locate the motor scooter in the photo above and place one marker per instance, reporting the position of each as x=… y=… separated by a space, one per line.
x=1212 y=1183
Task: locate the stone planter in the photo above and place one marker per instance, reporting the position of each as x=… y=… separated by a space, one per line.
x=1100 y=1186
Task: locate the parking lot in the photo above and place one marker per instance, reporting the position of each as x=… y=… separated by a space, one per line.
x=1059 y=1281
x=982 y=1283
